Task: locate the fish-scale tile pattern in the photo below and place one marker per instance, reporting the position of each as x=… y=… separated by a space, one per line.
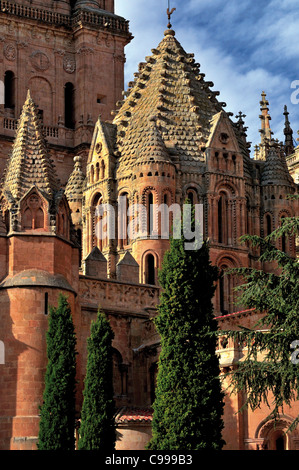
x=169 y=90
x=30 y=164
x=75 y=185
x=275 y=170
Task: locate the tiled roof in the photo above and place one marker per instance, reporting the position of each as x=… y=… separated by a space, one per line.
x=29 y=164
x=134 y=415
x=169 y=108
x=275 y=170
x=75 y=184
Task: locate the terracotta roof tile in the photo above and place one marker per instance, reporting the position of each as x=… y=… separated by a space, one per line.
x=135 y=415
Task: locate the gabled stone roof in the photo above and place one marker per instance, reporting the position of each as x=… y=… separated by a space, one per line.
x=30 y=164
x=169 y=89
x=75 y=184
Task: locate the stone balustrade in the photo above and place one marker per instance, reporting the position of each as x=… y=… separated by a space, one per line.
x=124 y=297
x=70 y=21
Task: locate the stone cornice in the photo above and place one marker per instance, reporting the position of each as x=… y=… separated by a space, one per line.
x=101 y=19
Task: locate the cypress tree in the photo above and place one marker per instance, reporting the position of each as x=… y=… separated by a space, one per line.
x=97 y=430
x=189 y=402
x=57 y=414
x=270 y=363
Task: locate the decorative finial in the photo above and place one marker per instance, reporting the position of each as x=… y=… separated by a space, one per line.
x=169 y=13
x=288 y=132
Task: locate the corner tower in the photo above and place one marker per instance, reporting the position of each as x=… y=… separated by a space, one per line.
x=39 y=260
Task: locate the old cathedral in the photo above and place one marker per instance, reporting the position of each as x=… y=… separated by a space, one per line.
x=65 y=151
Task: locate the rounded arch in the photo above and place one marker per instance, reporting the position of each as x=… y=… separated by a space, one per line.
x=150 y=201
x=150 y=265
x=9 y=90
x=228 y=187
x=146 y=191
x=42 y=94
x=272 y=433
x=120 y=373
x=195 y=188
x=268 y=223
x=97 y=176
x=69 y=105
x=124 y=201
x=96 y=220
x=284 y=213
x=94 y=196
x=225 y=293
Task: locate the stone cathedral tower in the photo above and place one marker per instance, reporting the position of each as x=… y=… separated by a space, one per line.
x=65 y=52
x=63 y=157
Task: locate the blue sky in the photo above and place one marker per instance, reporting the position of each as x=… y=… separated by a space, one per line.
x=244 y=47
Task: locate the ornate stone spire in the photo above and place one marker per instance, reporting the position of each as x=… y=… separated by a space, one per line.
x=75 y=184
x=265 y=131
x=152 y=149
x=30 y=164
x=265 y=117
x=288 y=132
x=170 y=86
x=275 y=171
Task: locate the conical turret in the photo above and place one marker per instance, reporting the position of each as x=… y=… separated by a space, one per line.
x=275 y=171
x=30 y=164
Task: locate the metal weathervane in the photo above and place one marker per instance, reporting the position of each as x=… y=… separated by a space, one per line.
x=169 y=13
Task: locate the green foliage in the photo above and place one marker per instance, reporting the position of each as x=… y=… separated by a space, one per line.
x=189 y=401
x=57 y=414
x=267 y=366
x=97 y=430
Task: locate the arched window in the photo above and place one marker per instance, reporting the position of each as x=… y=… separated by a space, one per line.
x=27 y=219
x=33 y=215
x=9 y=90
x=120 y=374
x=150 y=212
x=92 y=174
x=268 y=224
x=79 y=240
x=191 y=195
x=283 y=238
x=124 y=220
x=221 y=295
x=97 y=171
x=46 y=303
x=150 y=275
x=102 y=169
x=97 y=222
x=69 y=105
x=222 y=218
x=226 y=287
